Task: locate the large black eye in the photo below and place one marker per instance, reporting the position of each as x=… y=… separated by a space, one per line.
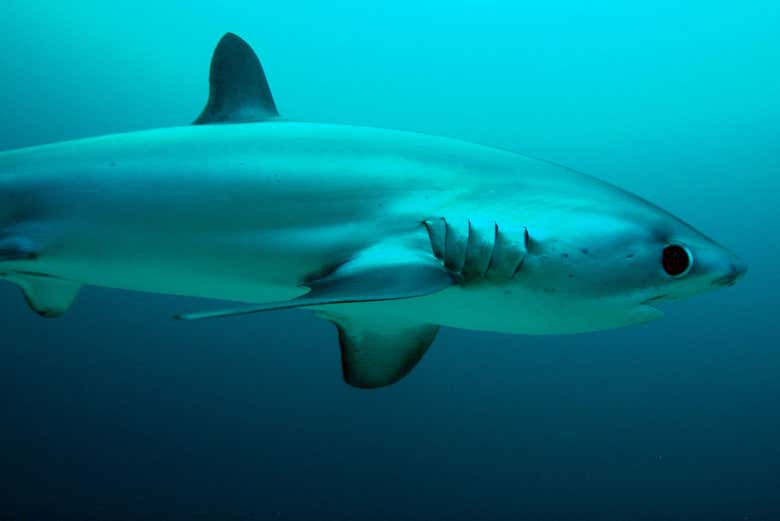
x=676 y=260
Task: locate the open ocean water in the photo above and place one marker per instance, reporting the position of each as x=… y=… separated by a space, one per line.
x=115 y=411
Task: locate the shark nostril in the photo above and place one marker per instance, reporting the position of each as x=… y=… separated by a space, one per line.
x=727 y=280
x=737 y=268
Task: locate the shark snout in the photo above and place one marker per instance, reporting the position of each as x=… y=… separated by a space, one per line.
x=736 y=268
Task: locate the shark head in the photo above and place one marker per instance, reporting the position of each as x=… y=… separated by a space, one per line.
x=616 y=262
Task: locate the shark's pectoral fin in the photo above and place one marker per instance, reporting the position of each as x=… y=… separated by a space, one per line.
x=50 y=297
x=238 y=89
x=375 y=351
x=385 y=272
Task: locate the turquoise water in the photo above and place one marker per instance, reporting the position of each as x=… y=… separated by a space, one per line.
x=115 y=411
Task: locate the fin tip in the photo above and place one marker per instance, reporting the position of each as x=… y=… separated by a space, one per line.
x=238 y=88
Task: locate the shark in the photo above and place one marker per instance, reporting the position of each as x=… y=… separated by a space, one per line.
x=387 y=234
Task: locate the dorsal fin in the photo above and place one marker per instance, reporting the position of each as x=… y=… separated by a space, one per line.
x=238 y=90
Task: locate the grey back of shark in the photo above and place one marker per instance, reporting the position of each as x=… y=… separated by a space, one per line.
x=387 y=234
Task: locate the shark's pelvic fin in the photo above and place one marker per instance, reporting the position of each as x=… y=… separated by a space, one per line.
x=384 y=272
x=376 y=350
x=50 y=297
x=238 y=89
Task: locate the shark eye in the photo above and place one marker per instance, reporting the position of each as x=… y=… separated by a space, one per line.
x=676 y=260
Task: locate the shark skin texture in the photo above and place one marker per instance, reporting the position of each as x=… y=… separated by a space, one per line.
x=387 y=234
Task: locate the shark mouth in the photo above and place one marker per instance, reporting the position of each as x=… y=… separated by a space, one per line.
x=654 y=300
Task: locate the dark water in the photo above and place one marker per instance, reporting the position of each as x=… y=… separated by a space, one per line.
x=117 y=412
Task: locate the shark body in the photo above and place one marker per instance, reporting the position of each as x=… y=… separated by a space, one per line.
x=388 y=234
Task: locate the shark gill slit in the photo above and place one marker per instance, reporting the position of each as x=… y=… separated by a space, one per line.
x=445 y=243
x=525 y=253
x=519 y=267
x=436 y=247
x=446 y=240
x=492 y=250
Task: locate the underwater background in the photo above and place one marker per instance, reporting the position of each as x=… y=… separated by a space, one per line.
x=115 y=411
